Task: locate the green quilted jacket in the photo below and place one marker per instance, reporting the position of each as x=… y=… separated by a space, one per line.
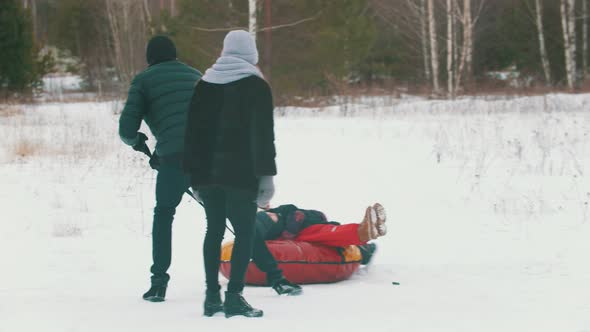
x=160 y=96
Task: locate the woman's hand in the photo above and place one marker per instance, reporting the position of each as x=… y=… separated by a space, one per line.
x=266 y=190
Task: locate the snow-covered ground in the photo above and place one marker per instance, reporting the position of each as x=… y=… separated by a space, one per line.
x=59 y=83
x=487 y=202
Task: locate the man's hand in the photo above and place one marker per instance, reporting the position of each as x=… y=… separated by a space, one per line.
x=140 y=145
x=155 y=161
x=196 y=196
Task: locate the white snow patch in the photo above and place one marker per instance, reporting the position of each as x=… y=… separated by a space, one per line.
x=487 y=205
x=59 y=83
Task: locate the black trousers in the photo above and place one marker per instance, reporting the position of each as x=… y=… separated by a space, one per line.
x=171 y=184
x=239 y=206
x=263 y=258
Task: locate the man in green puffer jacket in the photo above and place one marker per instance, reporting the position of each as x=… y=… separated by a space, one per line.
x=160 y=96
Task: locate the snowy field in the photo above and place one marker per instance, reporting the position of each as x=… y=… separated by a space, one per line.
x=487 y=202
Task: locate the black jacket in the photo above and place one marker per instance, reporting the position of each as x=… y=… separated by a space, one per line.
x=229 y=137
x=291 y=221
x=160 y=96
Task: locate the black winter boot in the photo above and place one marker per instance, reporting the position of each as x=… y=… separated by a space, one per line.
x=367 y=252
x=236 y=305
x=212 y=304
x=285 y=287
x=155 y=294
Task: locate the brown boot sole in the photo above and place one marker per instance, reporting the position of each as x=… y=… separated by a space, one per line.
x=381 y=218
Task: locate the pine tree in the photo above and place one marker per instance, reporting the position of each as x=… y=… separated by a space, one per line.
x=18 y=64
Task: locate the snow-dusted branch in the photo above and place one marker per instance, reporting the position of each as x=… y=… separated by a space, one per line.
x=274 y=27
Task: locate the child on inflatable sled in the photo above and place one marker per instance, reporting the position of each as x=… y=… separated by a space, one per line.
x=292 y=223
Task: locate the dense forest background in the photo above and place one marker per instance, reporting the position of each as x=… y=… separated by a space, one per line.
x=308 y=47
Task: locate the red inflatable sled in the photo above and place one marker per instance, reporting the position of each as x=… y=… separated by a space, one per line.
x=301 y=262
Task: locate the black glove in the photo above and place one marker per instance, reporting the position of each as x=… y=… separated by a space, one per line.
x=155 y=161
x=140 y=145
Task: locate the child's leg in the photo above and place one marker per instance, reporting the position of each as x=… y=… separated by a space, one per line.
x=331 y=235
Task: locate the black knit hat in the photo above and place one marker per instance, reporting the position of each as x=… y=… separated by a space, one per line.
x=160 y=49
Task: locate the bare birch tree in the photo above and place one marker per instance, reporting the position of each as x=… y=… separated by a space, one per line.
x=541 y=36
x=148 y=17
x=450 y=47
x=465 y=64
x=433 y=46
x=268 y=40
x=252 y=18
x=424 y=39
x=584 y=38
x=173 y=8
x=568 y=25
x=127 y=23
x=34 y=19
x=32 y=5
x=456 y=39
x=410 y=19
x=572 y=35
x=468 y=38
x=419 y=11
x=468 y=21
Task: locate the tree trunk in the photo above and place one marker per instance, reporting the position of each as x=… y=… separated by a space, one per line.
x=456 y=39
x=267 y=40
x=173 y=8
x=252 y=23
x=113 y=24
x=34 y=19
x=585 y=38
x=468 y=40
x=566 y=41
x=572 y=35
x=433 y=46
x=148 y=16
x=450 y=23
x=541 y=36
x=128 y=31
x=569 y=41
x=424 y=39
x=465 y=64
